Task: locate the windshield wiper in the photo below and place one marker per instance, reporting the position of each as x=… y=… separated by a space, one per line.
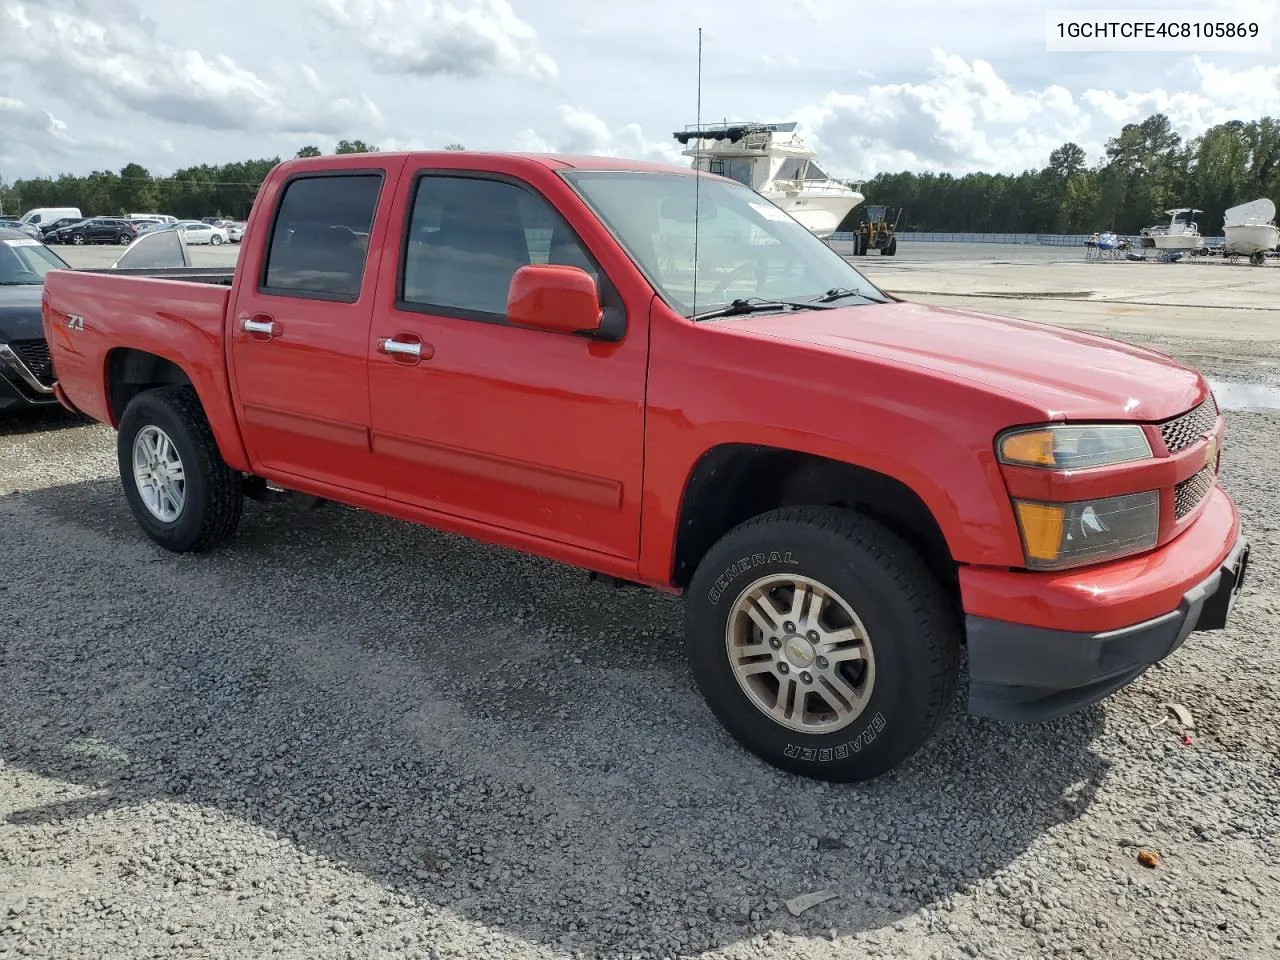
x=839 y=293
x=746 y=305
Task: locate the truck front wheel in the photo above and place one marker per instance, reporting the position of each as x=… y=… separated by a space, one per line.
x=822 y=642
x=180 y=490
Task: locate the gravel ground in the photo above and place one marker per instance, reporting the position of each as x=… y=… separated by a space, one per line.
x=345 y=736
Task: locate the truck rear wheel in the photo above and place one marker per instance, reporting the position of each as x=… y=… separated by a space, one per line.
x=180 y=490
x=822 y=642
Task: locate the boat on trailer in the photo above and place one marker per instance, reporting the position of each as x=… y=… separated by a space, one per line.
x=1251 y=231
x=1181 y=233
x=773 y=160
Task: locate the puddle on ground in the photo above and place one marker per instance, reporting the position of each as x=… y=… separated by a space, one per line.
x=1235 y=395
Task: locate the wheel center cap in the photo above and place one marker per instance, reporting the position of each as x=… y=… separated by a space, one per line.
x=799 y=651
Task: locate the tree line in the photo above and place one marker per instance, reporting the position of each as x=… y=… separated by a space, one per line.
x=1146 y=169
x=208 y=190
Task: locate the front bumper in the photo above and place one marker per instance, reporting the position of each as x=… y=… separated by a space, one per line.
x=19 y=384
x=1024 y=673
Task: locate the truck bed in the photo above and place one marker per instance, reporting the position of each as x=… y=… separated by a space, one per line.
x=177 y=314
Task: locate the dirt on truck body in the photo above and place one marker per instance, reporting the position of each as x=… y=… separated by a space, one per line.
x=849 y=489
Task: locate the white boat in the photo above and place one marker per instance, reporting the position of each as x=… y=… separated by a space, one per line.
x=1251 y=230
x=774 y=161
x=1181 y=233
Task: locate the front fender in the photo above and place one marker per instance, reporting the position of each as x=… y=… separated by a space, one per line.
x=934 y=436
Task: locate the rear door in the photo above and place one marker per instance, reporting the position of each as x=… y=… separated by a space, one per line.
x=300 y=326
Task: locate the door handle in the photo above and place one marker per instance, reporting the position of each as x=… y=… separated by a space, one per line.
x=410 y=349
x=260 y=323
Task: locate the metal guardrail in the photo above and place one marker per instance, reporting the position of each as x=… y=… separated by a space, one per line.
x=1029 y=239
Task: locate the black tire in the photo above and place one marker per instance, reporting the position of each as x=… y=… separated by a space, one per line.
x=213 y=496
x=123 y=239
x=78 y=239
x=913 y=634
x=892 y=249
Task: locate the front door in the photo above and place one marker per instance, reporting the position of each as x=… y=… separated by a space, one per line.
x=299 y=333
x=535 y=432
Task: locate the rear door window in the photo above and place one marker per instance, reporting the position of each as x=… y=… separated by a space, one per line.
x=320 y=237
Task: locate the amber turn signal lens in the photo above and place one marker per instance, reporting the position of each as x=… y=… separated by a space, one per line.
x=1033 y=448
x=1041 y=525
x=1056 y=536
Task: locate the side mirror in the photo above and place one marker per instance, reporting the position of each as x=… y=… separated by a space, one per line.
x=555 y=298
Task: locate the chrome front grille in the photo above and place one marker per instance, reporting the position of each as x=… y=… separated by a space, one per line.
x=1188 y=494
x=34 y=355
x=1184 y=430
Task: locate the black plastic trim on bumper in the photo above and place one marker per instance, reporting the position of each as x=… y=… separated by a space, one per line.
x=18 y=383
x=15 y=397
x=1021 y=673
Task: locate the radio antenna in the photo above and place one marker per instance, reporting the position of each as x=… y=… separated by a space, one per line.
x=697 y=180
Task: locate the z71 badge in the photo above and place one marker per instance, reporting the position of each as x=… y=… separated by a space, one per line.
x=75 y=322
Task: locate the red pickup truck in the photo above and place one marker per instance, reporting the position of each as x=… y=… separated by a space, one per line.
x=663 y=379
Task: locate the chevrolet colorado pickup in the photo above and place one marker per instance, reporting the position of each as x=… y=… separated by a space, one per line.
x=663 y=379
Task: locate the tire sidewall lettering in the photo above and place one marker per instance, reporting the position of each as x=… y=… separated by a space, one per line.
x=840 y=751
x=743 y=564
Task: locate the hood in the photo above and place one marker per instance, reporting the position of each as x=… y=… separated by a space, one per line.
x=1064 y=373
x=20 y=312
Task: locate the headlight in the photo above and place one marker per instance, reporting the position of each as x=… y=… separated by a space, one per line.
x=1060 y=535
x=1071 y=447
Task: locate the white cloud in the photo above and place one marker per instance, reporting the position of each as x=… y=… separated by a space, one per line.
x=964 y=117
x=118 y=67
x=441 y=38
x=1221 y=95
x=583 y=132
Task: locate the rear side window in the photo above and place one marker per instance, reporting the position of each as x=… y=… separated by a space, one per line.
x=320 y=237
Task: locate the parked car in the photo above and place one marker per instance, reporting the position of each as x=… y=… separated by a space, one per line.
x=235 y=231
x=843 y=485
x=95 y=230
x=195 y=231
x=57 y=225
x=26 y=373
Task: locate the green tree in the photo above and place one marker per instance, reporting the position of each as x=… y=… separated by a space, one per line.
x=310 y=150
x=1067 y=161
x=354 y=146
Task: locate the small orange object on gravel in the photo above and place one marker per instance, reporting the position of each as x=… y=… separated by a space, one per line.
x=1148 y=858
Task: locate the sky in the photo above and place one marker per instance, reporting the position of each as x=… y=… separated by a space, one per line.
x=922 y=85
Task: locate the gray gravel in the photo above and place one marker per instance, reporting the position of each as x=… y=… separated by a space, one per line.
x=344 y=736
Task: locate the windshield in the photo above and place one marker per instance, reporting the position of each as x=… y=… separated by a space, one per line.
x=26 y=261
x=746 y=247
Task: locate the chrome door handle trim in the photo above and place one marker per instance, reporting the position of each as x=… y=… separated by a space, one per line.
x=407 y=349
x=258 y=326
